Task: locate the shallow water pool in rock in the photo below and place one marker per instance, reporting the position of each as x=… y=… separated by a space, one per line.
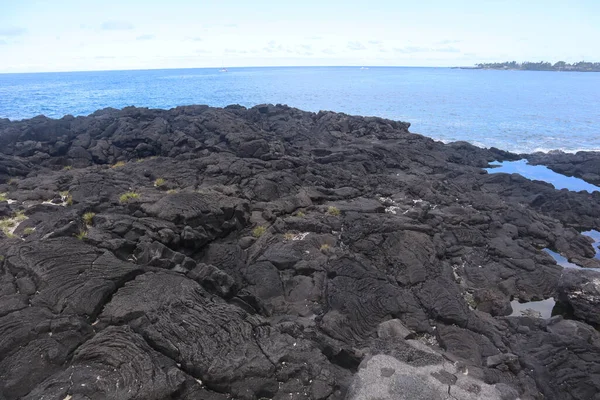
x=596 y=236
x=560 y=260
x=538 y=309
x=541 y=173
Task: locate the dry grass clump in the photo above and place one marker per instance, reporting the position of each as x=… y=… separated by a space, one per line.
x=118 y=164
x=8 y=225
x=289 y=236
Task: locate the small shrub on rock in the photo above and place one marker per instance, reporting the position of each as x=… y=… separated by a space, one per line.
x=88 y=218
x=67 y=167
x=125 y=197
x=325 y=248
x=333 y=211
x=300 y=214
x=159 y=182
x=66 y=197
x=258 y=231
x=81 y=235
x=28 y=231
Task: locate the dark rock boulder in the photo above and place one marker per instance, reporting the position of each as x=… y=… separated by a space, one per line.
x=579 y=291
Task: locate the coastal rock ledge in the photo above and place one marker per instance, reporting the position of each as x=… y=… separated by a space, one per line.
x=272 y=253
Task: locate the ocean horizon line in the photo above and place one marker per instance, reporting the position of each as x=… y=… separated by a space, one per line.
x=239 y=67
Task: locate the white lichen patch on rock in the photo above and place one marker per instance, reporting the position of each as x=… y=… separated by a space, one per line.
x=392 y=209
x=300 y=236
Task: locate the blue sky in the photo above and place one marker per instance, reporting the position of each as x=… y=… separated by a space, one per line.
x=68 y=35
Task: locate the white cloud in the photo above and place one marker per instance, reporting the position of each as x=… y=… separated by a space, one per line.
x=419 y=49
x=145 y=37
x=12 y=31
x=356 y=46
x=116 y=26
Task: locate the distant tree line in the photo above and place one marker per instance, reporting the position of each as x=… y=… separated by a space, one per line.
x=582 y=66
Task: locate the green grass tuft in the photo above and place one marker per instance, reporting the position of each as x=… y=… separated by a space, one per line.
x=88 y=218
x=81 y=235
x=159 y=182
x=300 y=214
x=259 y=231
x=3 y=197
x=67 y=167
x=325 y=248
x=333 y=211
x=125 y=197
x=28 y=231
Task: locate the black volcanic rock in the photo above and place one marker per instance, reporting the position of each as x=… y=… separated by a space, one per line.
x=579 y=291
x=204 y=253
x=583 y=164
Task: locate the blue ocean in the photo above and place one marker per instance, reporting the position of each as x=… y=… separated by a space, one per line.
x=520 y=111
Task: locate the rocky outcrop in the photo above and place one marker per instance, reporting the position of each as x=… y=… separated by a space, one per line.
x=579 y=293
x=203 y=253
x=583 y=164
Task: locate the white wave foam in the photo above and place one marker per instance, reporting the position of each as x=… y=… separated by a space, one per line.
x=564 y=150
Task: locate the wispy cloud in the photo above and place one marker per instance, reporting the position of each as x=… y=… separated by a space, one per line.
x=145 y=37
x=328 y=51
x=202 y=51
x=448 y=41
x=2 y=42
x=447 y=50
x=116 y=26
x=417 y=49
x=235 y=51
x=195 y=39
x=356 y=46
x=12 y=31
x=411 y=49
x=272 y=47
x=374 y=41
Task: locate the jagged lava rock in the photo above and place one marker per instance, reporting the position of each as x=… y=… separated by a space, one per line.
x=218 y=253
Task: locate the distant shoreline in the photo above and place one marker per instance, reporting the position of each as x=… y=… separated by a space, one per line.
x=560 y=66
